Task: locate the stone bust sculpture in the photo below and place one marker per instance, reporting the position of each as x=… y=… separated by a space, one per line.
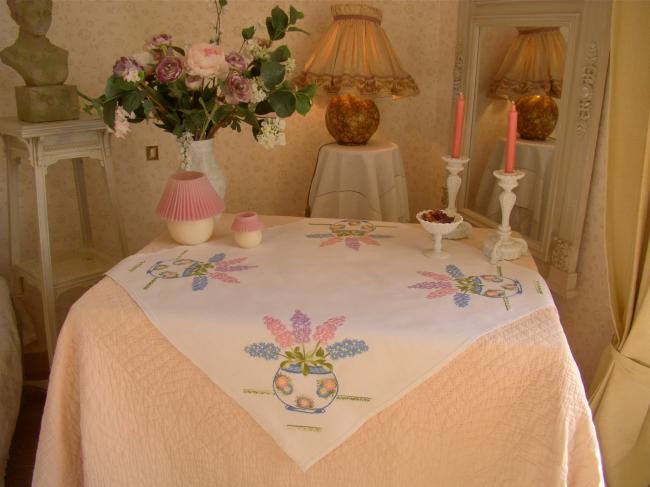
x=33 y=56
x=42 y=65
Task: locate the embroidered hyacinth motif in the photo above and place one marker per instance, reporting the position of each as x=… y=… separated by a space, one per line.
x=352 y=233
x=216 y=268
x=463 y=287
x=305 y=380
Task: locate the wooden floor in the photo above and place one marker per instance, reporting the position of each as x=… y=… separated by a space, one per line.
x=23 y=447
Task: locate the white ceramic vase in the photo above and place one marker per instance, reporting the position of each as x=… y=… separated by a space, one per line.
x=202 y=159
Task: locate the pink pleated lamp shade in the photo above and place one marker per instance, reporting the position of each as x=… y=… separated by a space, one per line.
x=189 y=196
x=246 y=221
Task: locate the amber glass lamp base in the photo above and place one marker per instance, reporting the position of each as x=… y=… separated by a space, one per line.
x=351 y=120
x=537 y=116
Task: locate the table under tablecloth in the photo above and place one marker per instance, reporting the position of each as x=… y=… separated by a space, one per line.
x=126 y=408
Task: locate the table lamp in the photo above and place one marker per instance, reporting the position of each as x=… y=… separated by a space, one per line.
x=354 y=63
x=531 y=75
x=189 y=205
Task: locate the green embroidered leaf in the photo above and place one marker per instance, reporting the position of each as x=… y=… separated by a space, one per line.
x=305 y=369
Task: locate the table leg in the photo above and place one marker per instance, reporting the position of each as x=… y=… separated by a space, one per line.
x=47 y=278
x=13 y=188
x=107 y=162
x=82 y=202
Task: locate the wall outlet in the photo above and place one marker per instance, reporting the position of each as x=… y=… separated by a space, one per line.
x=151 y=152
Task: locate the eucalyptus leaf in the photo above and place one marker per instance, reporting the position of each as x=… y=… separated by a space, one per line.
x=108 y=112
x=279 y=18
x=263 y=108
x=309 y=90
x=132 y=100
x=283 y=103
x=115 y=85
x=272 y=73
x=281 y=54
x=296 y=29
x=248 y=32
x=303 y=103
x=295 y=14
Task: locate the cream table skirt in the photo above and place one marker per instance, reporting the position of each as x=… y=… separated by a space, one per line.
x=365 y=182
x=125 y=408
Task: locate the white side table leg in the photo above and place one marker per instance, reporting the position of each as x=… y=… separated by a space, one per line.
x=107 y=162
x=82 y=202
x=47 y=278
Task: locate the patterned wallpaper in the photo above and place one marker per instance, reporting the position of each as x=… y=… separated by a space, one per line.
x=274 y=182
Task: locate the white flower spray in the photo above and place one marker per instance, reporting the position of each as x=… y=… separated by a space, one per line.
x=272 y=133
x=184 y=143
x=121 y=122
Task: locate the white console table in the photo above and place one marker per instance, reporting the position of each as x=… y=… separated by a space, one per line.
x=362 y=182
x=42 y=145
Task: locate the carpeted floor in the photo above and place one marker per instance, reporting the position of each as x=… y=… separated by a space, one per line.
x=23 y=446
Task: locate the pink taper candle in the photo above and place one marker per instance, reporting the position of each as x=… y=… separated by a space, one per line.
x=511 y=140
x=458 y=126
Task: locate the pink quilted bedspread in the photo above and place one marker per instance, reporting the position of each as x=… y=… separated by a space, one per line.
x=125 y=408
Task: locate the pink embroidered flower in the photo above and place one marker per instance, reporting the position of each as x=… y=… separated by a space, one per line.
x=326 y=332
x=206 y=60
x=282 y=335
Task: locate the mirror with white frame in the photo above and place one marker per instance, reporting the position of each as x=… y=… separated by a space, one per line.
x=494 y=36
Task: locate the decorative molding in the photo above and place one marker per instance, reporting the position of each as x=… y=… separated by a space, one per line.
x=588 y=80
x=561 y=251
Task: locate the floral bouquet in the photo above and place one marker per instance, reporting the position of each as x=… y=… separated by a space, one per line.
x=194 y=92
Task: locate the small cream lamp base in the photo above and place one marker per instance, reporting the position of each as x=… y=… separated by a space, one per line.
x=248 y=240
x=191 y=232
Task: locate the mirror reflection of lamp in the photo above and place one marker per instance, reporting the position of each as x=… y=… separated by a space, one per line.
x=531 y=75
x=354 y=63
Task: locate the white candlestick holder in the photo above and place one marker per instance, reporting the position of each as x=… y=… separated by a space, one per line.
x=502 y=245
x=455 y=166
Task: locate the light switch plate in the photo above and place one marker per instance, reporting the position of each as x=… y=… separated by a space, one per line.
x=151 y=152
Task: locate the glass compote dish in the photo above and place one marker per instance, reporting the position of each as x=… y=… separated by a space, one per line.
x=437 y=223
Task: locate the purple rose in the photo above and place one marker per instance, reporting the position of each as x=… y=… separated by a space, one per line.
x=169 y=69
x=127 y=68
x=239 y=89
x=237 y=62
x=156 y=42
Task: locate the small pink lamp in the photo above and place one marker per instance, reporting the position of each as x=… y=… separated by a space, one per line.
x=247 y=229
x=189 y=204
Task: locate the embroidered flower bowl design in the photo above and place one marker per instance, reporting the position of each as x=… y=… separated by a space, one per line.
x=215 y=268
x=352 y=232
x=305 y=381
x=463 y=287
x=310 y=393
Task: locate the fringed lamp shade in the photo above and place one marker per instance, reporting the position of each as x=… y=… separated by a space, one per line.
x=355 y=57
x=531 y=73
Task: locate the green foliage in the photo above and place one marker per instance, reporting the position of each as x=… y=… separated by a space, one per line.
x=316 y=358
x=272 y=73
x=178 y=109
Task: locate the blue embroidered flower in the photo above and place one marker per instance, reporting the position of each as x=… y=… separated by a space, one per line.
x=264 y=350
x=461 y=299
x=199 y=283
x=346 y=348
x=454 y=271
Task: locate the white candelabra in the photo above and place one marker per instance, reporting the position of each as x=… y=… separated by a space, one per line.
x=502 y=245
x=455 y=166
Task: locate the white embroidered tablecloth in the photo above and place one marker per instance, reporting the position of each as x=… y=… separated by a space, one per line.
x=326 y=323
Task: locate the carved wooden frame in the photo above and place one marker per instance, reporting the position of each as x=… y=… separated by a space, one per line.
x=580 y=107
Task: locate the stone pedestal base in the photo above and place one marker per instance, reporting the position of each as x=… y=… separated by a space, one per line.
x=47 y=103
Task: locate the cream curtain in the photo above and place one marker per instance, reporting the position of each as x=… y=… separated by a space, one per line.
x=620 y=398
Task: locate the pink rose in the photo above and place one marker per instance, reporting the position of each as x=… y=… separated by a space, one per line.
x=239 y=89
x=169 y=69
x=206 y=60
x=156 y=42
x=193 y=82
x=237 y=61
